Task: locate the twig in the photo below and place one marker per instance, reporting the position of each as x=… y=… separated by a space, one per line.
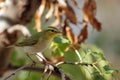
x=75 y=63
x=63 y=75
x=18 y=70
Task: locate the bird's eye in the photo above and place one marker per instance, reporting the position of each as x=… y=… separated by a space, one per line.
x=52 y=31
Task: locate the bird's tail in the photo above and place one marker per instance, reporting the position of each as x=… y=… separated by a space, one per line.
x=11 y=46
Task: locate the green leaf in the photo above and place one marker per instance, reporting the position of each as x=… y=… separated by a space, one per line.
x=60 y=39
x=59 y=45
x=97 y=54
x=24 y=75
x=96 y=76
x=108 y=70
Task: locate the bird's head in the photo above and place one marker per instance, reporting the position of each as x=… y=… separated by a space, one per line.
x=51 y=32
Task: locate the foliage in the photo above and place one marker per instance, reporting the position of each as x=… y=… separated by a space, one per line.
x=100 y=68
x=90 y=54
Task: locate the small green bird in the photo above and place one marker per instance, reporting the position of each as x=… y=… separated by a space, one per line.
x=40 y=41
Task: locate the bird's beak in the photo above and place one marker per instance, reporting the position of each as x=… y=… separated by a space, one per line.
x=59 y=32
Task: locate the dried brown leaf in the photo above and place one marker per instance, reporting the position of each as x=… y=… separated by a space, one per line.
x=42 y=7
x=55 y=59
x=64 y=30
x=70 y=14
x=50 y=12
x=37 y=21
x=62 y=3
x=75 y=3
x=68 y=32
x=89 y=9
x=83 y=34
x=68 y=11
x=39 y=14
x=57 y=17
x=94 y=22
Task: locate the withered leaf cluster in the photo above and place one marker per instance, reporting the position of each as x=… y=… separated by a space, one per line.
x=89 y=11
x=64 y=14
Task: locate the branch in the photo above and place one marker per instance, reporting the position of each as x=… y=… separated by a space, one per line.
x=75 y=63
x=20 y=68
x=55 y=69
x=56 y=72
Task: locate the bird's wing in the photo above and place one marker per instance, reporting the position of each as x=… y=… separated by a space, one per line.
x=29 y=41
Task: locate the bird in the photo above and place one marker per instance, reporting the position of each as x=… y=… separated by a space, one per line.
x=39 y=41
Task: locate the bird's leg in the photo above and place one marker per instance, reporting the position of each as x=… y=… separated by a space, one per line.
x=44 y=61
x=48 y=66
x=43 y=74
x=30 y=58
x=50 y=72
x=41 y=57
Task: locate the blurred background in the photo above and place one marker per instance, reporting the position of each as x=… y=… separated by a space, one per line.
x=108 y=13
x=108 y=39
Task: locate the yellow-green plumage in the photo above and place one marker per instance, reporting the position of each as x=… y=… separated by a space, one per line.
x=39 y=41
